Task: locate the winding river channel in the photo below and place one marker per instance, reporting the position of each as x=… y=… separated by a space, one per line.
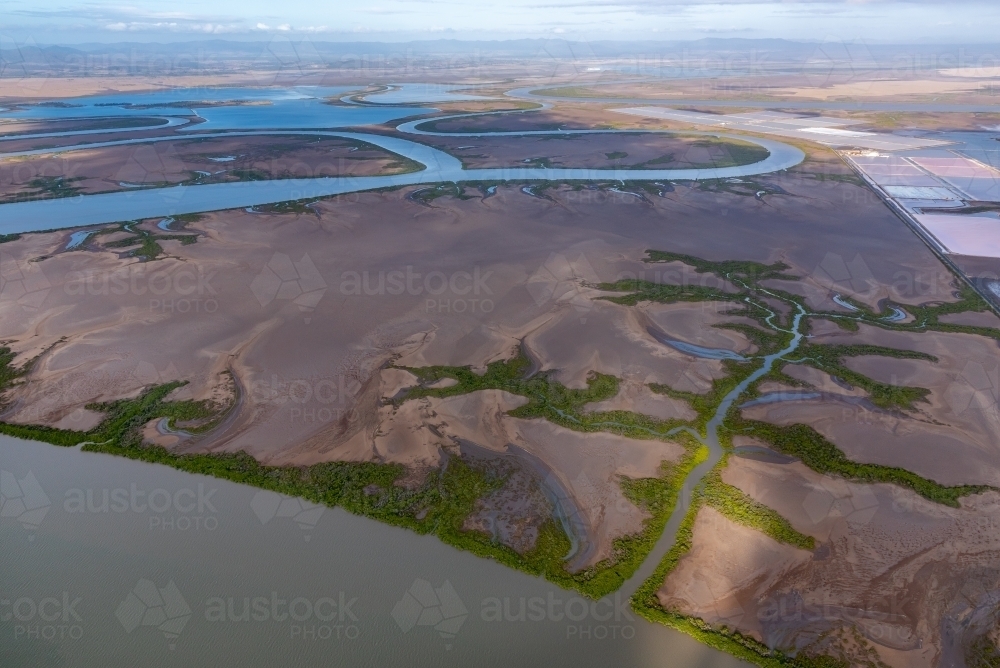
x=715 y=452
x=438 y=166
x=152 y=566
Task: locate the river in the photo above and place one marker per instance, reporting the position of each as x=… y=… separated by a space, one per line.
x=304 y=111
x=68 y=212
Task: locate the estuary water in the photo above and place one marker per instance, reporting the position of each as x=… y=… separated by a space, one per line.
x=108 y=561
x=280 y=108
x=167 y=101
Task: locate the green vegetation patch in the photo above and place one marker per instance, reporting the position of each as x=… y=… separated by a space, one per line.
x=427 y=195
x=822 y=456
x=46 y=187
x=928 y=315
x=733 y=153
x=656 y=163
x=752 y=272
x=148 y=248
x=554 y=402
x=663 y=293
x=741 y=508
x=982 y=653
x=249 y=174
x=9 y=374
x=829 y=358
x=706 y=404
x=289 y=206
x=546 y=398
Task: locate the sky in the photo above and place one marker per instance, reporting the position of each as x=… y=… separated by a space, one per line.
x=877 y=21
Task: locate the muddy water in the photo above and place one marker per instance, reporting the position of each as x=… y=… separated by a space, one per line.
x=695 y=350
x=778 y=397
x=322 y=587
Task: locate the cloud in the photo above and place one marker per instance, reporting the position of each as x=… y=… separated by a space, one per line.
x=136 y=19
x=173 y=26
x=287 y=27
